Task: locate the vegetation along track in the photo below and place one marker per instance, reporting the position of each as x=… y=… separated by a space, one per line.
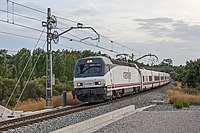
x=27 y=120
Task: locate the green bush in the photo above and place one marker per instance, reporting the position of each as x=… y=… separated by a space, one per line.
x=181 y=104
x=60 y=87
x=186 y=104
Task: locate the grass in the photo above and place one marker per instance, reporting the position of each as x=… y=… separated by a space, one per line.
x=31 y=105
x=178 y=94
x=181 y=104
x=34 y=105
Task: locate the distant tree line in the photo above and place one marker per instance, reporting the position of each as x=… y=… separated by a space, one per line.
x=188 y=74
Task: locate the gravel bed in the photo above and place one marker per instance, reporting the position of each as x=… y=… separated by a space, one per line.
x=170 y=107
x=57 y=123
x=156 y=122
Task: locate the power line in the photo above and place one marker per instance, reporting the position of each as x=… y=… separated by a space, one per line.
x=40 y=11
x=16 y=14
x=24 y=26
x=19 y=35
x=121 y=44
x=27 y=7
x=88 y=43
x=73 y=22
x=28 y=37
x=111 y=41
x=62 y=19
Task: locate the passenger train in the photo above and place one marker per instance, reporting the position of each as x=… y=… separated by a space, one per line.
x=100 y=78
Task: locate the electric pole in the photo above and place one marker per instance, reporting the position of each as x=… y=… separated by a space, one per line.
x=49 y=24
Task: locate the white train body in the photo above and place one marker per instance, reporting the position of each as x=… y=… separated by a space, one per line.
x=100 y=78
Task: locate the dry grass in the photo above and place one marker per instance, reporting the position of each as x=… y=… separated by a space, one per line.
x=57 y=101
x=178 y=85
x=70 y=100
x=177 y=94
x=33 y=105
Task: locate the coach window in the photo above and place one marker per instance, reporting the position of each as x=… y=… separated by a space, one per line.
x=143 y=78
x=150 y=78
x=156 y=78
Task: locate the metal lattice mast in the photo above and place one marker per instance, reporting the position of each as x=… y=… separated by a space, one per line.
x=50 y=24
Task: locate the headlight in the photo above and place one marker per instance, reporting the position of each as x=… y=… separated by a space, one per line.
x=98 y=83
x=79 y=84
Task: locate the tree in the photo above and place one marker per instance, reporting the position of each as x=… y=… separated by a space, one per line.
x=33 y=90
x=6 y=88
x=86 y=53
x=40 y=69
x=167 y=62
x=3 y=63
x=21 y=61
x=191 y=74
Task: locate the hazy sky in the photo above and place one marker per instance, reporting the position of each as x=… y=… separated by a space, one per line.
x=166 y=28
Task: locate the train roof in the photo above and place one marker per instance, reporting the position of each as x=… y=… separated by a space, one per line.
x=108 y=60
x=105 y=59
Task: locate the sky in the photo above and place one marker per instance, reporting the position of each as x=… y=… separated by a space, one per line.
x=166 y=28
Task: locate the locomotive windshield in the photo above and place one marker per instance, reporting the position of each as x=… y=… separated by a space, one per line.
x=89 y=68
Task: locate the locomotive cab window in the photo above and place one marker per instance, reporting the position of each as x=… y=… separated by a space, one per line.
x=88 y=68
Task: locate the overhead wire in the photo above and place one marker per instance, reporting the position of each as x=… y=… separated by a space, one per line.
x=19 y=35
x=17 y=14
x=19 y=25
x=73 y=22
x=111 y=41
x=26 y=7
x=87 y=43
x=28 y=27
x=33 y=38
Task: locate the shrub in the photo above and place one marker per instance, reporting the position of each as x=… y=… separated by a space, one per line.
x=60 y=87
x=181 y=104
x=185 y=103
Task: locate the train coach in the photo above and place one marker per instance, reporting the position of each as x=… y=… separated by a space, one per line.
x=99 y=78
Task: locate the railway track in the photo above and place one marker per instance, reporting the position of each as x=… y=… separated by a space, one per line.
x=36 y=118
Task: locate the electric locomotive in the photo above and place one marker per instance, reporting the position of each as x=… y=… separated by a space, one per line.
x=100 y=78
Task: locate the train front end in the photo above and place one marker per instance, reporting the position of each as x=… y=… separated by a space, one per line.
x=89 y=82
